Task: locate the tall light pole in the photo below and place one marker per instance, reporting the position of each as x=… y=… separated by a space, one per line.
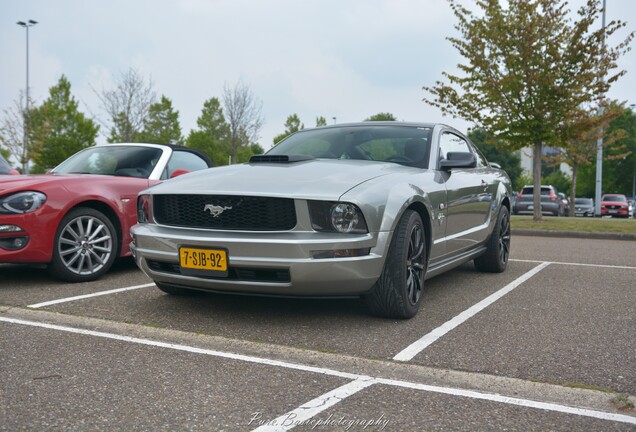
x=26 y=25
x=599 y=151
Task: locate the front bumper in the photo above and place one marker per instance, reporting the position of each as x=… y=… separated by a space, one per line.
x=26 y=238
x=279 y=263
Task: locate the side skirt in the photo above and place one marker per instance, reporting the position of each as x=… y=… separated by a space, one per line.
x=435 y=269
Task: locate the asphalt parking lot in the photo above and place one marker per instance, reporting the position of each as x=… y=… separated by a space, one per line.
x=547 y=345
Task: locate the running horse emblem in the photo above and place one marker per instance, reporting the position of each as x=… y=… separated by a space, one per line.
x=215 y=210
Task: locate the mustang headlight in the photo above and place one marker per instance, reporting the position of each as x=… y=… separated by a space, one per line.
x=144 y=209
x=328 y=216
x=22 y=202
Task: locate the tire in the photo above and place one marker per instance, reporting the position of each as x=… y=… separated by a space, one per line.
x=495 y=259
x=177 y=291
x=398 y=291
x=85 y=246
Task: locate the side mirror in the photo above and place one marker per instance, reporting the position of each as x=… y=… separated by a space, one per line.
x=178 y=172
x=458 y=160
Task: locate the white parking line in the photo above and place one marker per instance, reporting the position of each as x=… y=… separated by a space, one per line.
x=304 y=413
x=416 y=347
x=97 y=294
x=358 y=383
x=577 y=264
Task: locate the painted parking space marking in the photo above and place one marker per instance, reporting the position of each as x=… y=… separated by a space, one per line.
x=85 y=296
x=304 y=413
x=418 y=346
x=577 y=264
x=358 y=382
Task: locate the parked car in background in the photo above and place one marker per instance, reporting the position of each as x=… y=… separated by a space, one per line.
x=583 y=207
x=366 y=209
x=614 y=205
x=77 y=218
x=5 y=168
x=551 y=202
x=566 y=203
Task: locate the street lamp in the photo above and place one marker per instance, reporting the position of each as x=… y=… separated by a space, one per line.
x=26 y=25
x=599 y=151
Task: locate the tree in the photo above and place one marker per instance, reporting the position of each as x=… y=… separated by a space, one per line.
x=495 y=152
x=212 y=135
x=12 y=133
x=127 y=106
x=619 y=160
x=529 y=68
x=243 y=114
x=162 y=124
x=321 y=121
x=383 y=116
x=581 y=149
x=58 y=129
x=292 y=125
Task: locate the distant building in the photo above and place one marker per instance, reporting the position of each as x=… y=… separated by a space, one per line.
x=527 y=153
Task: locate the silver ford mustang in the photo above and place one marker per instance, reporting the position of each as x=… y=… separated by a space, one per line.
x=367 y=209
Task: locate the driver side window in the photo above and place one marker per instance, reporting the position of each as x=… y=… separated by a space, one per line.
x=450 y=142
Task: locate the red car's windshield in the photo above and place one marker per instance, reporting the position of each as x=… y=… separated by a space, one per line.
x=119 y=160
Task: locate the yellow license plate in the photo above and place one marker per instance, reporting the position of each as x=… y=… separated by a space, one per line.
x=203 y=259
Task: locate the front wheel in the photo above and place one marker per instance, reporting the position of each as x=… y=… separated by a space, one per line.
x=85 y=246
x=495 y=259
x=398 y=291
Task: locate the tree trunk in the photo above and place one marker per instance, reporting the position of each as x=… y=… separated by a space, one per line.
x=575 y=171
x=537 y=216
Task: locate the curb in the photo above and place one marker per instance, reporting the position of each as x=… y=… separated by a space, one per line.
x=574 y=234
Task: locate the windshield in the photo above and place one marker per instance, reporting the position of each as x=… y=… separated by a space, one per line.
x=400 y=144
x=619 y=198
x=584 y=201
x=126 y=161
x=4 y=166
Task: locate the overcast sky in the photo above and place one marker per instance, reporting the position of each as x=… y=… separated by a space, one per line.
x=347 y=59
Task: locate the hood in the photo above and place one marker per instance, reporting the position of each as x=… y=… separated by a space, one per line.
x=43 y=182
x=325 y=179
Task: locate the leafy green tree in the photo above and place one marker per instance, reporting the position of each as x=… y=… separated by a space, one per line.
x=619 y=161
x=383 y=116
x=582 y=147
x=529 y=68
x=495 y=151
x=245 y=153
x=162 y=124
x=292 y=125
x=58 y=129
x=212 y=135
x=321 y=121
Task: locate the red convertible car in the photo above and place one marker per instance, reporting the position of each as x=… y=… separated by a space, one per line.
x=77 y=218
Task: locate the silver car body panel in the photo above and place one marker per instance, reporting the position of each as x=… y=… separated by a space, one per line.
x=459 y=209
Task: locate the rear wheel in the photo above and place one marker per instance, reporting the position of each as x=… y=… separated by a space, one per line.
x=495 y=260
x=398 y=291
x=85 y=246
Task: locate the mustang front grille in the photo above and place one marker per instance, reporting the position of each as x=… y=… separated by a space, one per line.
x=225 y=212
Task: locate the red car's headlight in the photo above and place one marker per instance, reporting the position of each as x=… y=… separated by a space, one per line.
x=22 y=202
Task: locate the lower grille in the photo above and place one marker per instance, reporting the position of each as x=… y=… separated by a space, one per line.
x=237 y=274
x=225 y=212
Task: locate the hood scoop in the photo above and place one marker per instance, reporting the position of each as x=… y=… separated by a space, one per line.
x=280 y=158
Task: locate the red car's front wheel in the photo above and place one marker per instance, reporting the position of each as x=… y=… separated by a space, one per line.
x=85 y=247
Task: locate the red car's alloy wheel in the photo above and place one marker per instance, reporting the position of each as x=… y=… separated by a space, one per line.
x=85 y=245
